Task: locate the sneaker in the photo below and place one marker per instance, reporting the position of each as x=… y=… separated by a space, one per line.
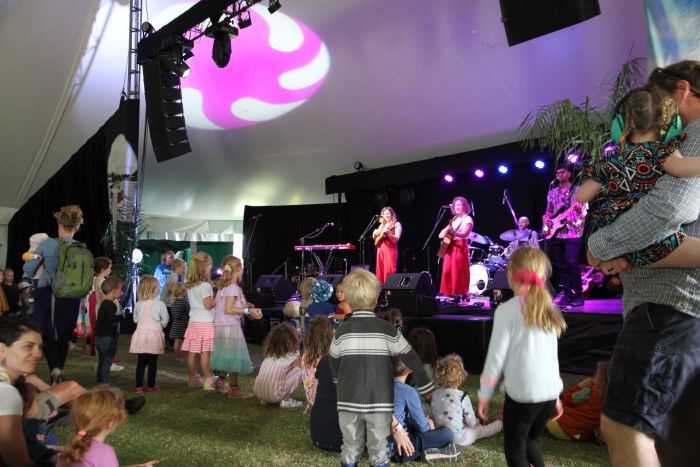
x=195 y=383
x=153 y=389
x=208 y=385
x=138 y=390
x=134 y=404
x=449 y=453
x=221 y=386
x=238 y=393
x=57 y=376
x=290 y=404
x=116 y=367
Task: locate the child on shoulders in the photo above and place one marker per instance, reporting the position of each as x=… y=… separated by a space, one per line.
x=280 y=372
x=452 y=408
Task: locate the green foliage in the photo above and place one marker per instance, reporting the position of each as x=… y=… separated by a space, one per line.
x=564 y=127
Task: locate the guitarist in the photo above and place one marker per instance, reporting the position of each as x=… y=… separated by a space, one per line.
x=386 y=237
x=455 y=266
x=563 y=223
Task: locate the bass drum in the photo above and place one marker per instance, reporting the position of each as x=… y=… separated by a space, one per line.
x=480 y=276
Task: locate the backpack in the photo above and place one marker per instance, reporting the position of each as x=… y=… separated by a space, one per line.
x=74 y=271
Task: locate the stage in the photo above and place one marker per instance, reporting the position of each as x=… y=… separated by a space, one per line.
x=465 y=329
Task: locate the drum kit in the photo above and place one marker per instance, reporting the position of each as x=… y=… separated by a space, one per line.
x=488 y=257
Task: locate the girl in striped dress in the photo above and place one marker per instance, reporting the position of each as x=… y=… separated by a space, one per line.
x=181 y=317
x=280 y=372
x=230 y=354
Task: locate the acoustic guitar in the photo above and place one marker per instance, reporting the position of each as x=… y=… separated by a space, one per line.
x=378 y=239
x=446 y=241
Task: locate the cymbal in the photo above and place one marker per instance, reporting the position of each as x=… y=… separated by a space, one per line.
x=475 y=237
x=510 y=235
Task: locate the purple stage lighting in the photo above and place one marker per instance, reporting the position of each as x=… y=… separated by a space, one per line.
x=539 y=164
x=572 y=158
x=608 y=149
x=448 y=178
x=478 y=173
x=503 y=169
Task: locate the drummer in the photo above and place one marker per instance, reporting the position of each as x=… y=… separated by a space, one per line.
x=525 y=236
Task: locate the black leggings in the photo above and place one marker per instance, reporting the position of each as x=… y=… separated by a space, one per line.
x=522 y=425
x=146 y=360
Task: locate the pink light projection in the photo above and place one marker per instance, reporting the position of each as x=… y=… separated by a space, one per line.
x=276 y=65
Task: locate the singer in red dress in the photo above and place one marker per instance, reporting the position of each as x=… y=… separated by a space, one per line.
x=386 y=237
x=455 y=265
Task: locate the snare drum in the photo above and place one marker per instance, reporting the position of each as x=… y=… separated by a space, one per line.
x=480 y=276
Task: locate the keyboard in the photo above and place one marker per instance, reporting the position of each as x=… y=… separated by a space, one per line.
x=338 y=246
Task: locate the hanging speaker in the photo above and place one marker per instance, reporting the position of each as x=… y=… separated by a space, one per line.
x=527 y=19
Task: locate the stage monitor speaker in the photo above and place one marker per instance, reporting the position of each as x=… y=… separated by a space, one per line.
x=414 y=283
x=277 y=285
x=527 y=19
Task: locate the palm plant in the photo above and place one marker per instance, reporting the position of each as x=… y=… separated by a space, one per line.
x=563 y=127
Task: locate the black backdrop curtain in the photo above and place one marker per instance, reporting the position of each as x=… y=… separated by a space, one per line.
x=82 y=181
x=280 y=227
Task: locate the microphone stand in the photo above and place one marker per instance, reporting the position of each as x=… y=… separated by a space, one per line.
x=438 y=220
x=506 y=198
x=315 y=233
x=246 y=253
x=362 y=238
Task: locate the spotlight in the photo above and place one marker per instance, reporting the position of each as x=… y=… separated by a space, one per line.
x=274 y=6
x=449 y=178
x=479 y=173
x=359 y=166
x=136 y=256
x=503 y=169
x=221 y=49
x=147 y=28
x=539 y=164
x=244 y=20
x=173 y=58
x=572 y=158
x=609 y=148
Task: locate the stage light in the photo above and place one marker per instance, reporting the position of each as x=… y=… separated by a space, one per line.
x=449 y=178
x=244 y=20
x=609 y=148
x=359 y=166
x=221 y=49
x=147 y=28
x=503 y=169
x=274 y=6
x=539 y=164
x=572 y=158
x=173 y=57
x=136 y=256
x=479 y=173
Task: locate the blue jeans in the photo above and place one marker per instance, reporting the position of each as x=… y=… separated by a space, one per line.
x=106 y=350
x=437 y=438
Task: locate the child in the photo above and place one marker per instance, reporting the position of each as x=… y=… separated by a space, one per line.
x=199 y=337
x=230 y=354
x=423 y=341
x=429 y=442
x=42 y=444
x=452 y=407
x=395 y=317
x=148 y=341
x=630 y=173
x=279 y=373
x=95 y=415
x=582 y=406
x=523 y=348
x=181 y=316
x=166 y=296
x=321 y=292
x=317 y=341
x=343 y=310
x=108 y=318
x=364 y=346
x=102 y=268
x=25 y=298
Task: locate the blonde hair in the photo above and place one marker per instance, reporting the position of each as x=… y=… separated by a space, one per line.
x=291 y=309
x=282 y=340
x=540 y=311
x=69 y=217
x=197 y=270
x=449 y=371
x=361 y=289
x=306 y=288
x=317 y=339
x=149 y=288
x=391 y=210
x=99 y=409
x=178 y=290
x=229 y=267
x=177 y=262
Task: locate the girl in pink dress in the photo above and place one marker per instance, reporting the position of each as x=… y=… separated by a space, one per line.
x=386 y=237
x=151 y=317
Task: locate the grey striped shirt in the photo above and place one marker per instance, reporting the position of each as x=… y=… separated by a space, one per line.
x=673 y=202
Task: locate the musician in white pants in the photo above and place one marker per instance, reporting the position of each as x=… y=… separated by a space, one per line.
x=563 y=223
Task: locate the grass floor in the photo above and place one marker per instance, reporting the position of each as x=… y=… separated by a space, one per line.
x=190 y=427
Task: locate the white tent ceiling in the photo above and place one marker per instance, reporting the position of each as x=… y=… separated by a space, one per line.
x=401 y=80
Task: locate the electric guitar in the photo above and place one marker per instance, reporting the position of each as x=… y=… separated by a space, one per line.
x=446 y=241
x=558 y=221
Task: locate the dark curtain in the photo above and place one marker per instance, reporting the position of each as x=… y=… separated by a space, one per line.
x=82 y=181
x=280 y=227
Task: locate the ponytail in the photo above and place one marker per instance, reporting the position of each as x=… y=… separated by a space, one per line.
x=76 y=447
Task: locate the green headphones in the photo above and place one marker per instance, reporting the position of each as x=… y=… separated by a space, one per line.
x=617 y=128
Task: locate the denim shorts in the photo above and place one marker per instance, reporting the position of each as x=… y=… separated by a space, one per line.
x=656 y=356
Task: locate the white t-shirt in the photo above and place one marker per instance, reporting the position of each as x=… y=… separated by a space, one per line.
x=10 y=400
x=196 y=296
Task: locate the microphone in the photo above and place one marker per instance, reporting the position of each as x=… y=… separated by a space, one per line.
x=257 y=216
x=447 y=206
x=505 y=194
x=473 y=210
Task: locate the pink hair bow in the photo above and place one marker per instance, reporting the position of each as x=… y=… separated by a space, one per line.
x=528 y=277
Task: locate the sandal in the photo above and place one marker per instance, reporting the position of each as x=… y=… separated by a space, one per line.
x=237 y=393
